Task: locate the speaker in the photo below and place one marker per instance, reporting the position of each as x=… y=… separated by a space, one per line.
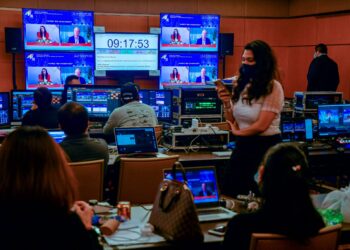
x=13 y=40
x=226 y=41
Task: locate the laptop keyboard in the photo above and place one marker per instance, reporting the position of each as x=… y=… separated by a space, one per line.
x=211 y=211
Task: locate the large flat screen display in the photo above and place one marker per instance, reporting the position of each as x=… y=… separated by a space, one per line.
x=126 y=51
x=58 y=30
x=161 y=101
x=22 y=102
x=183 y=69
x=334 y=120
x=189 y=32
x=100 y=101
x=51 y=69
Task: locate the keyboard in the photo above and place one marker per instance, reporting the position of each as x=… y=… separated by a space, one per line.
x=314 y=146
x=212 y=211
x=222 y=153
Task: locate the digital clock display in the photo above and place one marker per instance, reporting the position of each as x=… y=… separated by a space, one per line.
x=126 y=51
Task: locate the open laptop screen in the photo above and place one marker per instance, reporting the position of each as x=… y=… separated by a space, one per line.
x=202 y=183
x=136 y=140
x=57 y=135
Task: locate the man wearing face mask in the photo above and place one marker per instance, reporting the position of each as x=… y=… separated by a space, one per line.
x=323 y=72
x=132 y=113
x=253 y=112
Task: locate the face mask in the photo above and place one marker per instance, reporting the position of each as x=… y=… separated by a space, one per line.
x=315 y=54
x=248 y=70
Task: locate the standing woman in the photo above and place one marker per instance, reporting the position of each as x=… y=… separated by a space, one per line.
x=253 y=111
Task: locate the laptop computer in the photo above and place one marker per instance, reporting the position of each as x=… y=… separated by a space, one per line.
x=57 y=135
x=202 y=182
x=136 y=141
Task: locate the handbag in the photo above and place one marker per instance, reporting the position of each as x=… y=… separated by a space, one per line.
x=174 y=214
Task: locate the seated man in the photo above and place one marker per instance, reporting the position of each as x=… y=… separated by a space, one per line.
x=132 y=113
x=73 y=120
x=42 y=112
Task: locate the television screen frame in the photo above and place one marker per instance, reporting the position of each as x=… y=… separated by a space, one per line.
x=335 y=133
x=160 y=119
x=189 y=46
x=7 y=94
x=94 y=118
x=186 y=70
x=54 y=102
x=57 y=66
x=121 y=48
x=56 y=32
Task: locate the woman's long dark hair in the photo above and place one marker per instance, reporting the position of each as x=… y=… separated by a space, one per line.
x=266 y=71
x=42 y=74
x=42 y=34
x=285 y=190
x=176 y=35
x=34 y=170
x=176 y=73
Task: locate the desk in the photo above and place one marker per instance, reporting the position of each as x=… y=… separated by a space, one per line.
x=200 y=158
x=210 y=241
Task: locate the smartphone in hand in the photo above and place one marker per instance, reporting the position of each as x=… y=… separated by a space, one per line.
x=220 y=85
x=218 y=231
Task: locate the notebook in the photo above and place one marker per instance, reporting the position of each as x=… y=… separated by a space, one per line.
x=57 y=135
x=203 y=184
x=134 y=141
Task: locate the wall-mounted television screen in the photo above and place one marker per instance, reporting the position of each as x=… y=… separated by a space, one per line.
x=183 y=69
x=58 y=30
x=4 y=108
x=51 y=69
x=189 y=32
x=126 y=51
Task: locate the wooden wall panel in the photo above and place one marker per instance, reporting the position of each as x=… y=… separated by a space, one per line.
x=324 y=6
x=19 y=3
x=154 y=21
x=236 y=26
x=222 y=7
x=178 y=6
x=270 y=8
x=121 y=6
x=299 y=59
x=114 y=23
x=302 y=31
x=9 y=19
x=273 y=32
x=282 y=58
x=333 y=29
x=340 y=54
x=67 y=4
x=302 y=7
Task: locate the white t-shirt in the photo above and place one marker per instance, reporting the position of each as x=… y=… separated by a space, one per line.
x=245 y=115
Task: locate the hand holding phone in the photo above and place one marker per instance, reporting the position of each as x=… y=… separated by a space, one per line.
x=223 y=93
x=218 y=231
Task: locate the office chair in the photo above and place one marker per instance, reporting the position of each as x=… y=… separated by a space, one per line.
x=326 y=239
x=90 y=179
x=158 y=129
x=139 y=178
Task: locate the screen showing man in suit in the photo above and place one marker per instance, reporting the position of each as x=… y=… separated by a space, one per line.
x=204 y=40
x=76 y=38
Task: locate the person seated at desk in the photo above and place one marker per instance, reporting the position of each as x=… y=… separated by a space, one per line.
x=42 y=112
x=73 y=119
x=175 y=76
x=287 y=207
x=38 y=194
x=132 y=113
x=175 y=37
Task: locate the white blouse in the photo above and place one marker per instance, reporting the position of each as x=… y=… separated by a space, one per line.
x=245 y=115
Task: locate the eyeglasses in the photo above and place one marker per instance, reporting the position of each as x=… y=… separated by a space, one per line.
x=248 y=59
